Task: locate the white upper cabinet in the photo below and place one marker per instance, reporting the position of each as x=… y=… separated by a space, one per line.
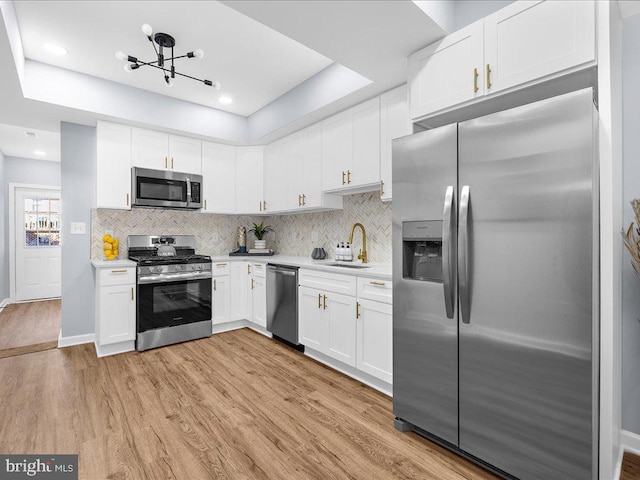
x=185 y=154
x=218 y=178
x=150 y=149
x=351 y=148
x=523 y=43
x=113 y=186
x=249 y=180
x=298 y=155
x=160 y=151
x=448 y=72
x=276 y=173
x=530 y=39
x=394 y=123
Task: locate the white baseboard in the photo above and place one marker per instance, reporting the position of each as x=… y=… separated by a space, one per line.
x=4 y=303
x=348 y=370
x=618 y=470
x=259 y=329
x=75 y=340
x=630 y=442
x=115 y=348
x=228 y=326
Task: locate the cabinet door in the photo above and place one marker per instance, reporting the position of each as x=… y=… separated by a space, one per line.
x=311 y=319
x=185 y=154
x=375 y=341
x=296 y=167
x=218 y=178
x=444 y=73
x=365 y=133
x=259 y=301
x=394 y=123
x=336 y=150
x=150 y=149
x=341 y=327
x=249 y=165
x=238 y=290
x=276 y=181
x=312 y=173
x=117 y=315
x=114 y=166
x=221 y=300
x=529 y=40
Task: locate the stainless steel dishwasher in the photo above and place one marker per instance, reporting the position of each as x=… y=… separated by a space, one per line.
x=282 y=303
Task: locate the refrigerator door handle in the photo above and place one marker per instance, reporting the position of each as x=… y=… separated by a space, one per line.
x=447 y=250
x=463 y=255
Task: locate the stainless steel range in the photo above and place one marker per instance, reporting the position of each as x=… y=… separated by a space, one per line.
x=174 y=290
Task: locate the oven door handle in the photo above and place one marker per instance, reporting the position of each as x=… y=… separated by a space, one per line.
x=174 y=277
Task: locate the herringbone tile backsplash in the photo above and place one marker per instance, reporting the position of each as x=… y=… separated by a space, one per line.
x=216 y=234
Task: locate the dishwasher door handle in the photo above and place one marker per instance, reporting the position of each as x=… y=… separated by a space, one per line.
x=285 y=272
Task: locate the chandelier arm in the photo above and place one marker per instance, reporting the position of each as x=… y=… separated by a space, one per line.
x=154 y=45
x=189 y=76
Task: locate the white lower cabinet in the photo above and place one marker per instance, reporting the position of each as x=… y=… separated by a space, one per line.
x=341 y=328
x=221 y=300
x=115 y=309
x=311 y=324
x=259 y=301
x=238 y=286
x=374 y=339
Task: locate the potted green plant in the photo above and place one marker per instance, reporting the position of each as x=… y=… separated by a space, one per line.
x=260 y=230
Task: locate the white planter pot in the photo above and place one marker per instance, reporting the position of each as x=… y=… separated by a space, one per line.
x=261 y=244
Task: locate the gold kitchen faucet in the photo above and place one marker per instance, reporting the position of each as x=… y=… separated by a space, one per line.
x=363 y=250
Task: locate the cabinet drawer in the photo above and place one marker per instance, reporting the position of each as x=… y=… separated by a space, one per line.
x=259 y=270
x=219 y=269
x=328 y=282
x=117 y=276
x=377 y=290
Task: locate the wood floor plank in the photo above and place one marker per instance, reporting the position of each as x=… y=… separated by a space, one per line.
x=26 y=349
x=630 y=467
x=29 y=323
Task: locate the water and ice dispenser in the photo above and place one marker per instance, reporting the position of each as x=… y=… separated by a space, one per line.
x=422 y=250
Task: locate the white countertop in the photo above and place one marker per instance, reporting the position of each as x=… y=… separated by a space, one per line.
x=374 y=270
x=120 y=263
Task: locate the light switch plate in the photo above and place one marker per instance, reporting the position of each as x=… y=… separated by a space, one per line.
x=78 y=228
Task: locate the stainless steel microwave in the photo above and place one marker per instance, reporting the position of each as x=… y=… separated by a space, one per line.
x=165 y=188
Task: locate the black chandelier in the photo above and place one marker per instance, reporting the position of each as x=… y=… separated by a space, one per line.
x=163 y=40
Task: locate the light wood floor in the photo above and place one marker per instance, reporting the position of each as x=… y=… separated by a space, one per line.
x=234 y=406
x=29 y=327
x=630 y=467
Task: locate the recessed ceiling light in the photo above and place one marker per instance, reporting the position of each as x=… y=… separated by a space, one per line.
x=225 y=100
x=31 y=135
x=55 y=49
x=40 y=152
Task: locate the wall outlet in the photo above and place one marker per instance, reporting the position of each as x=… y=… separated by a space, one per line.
x=78 y=228
x=314 y=236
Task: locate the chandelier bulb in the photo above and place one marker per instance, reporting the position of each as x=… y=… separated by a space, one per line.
x=147 y=30
x=168 y=81
x=127 y=68
x=199 y=53
x=121 y=55
x=216 y=85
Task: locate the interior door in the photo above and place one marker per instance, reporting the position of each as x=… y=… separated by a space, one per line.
x=526 y=281
x=37 y=241
x=425 y=339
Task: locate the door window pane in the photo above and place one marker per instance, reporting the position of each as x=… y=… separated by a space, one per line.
x=42 y=221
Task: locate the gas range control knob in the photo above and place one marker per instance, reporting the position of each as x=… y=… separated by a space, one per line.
x=156 y=269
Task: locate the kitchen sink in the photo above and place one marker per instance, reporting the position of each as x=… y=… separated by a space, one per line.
x=346 y=265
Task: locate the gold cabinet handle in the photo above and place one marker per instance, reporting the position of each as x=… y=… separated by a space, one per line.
x=304 y=202
x=127 y=199
x=171 y=162
x=348 y=176
x=264 y=205
x=118 y=271
x=166 y=162
x=475 y=80
x=214 y=284
x=357 y=309
x=382 y=188
x=488 y=76
x=221 y=264
x=381 y=284
x=252 y=284
x=319 y=300
x=132 y=294
x=248 y=269
x=324 y=303
x=260 y=205
x=205 y=203
x=343 y=175
x=299 y=200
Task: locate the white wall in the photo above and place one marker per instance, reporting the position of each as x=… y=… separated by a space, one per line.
x=19 y=170
x=631 y=190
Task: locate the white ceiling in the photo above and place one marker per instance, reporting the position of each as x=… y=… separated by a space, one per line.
x=15 y=143
x=254 y=63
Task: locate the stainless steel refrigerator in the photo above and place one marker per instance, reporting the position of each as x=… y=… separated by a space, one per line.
x=495 y=279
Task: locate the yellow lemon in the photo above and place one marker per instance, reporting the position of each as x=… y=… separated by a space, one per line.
x=111 y=257
x=115 y=243
x=108 y=252
x=107 y=238
x=116 y=252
